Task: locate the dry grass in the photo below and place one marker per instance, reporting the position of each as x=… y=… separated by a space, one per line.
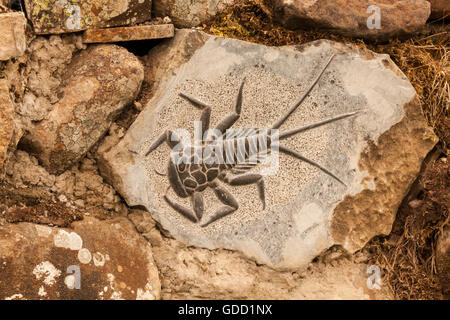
x=407 y=255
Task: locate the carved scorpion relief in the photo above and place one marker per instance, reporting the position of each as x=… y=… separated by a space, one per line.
x=226 y=155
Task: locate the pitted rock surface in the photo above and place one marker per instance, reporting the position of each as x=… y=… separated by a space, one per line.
x=99 y=83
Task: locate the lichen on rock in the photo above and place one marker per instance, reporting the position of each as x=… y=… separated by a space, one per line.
x=99 y=82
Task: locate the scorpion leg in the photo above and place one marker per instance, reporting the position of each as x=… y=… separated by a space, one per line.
x=249 y=178
x=277 y=124
x=206 y=114
x=199 y=207
x=231 y=118
x=226 y=198
x=167 y=136
x=189 y=214
x=297 y=155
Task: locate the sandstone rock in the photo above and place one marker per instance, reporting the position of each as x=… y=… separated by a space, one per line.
x=45 y=70
x=5 y=5
x=111 y=259
x=9 y=131
x=190 y=13
x=100 y=82
x=188 y=272
x=60 y=16
x=12 y=29
x=443 y=261
x=351 y=17
x=80 y=187
x=439 y=8
x=128 y=33
x=307 y=211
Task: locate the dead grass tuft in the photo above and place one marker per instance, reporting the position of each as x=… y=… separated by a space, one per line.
x=408 y=254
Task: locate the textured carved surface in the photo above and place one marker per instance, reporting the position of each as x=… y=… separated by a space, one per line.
x=189 y=177
x=305 y=210
x=128 y=33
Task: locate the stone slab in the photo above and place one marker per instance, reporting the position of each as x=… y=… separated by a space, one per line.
x=128 y=33
x=377 y=154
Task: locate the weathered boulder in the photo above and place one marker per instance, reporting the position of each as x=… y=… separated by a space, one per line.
x=306 y=210
x=100 y=82
x=439 y=8
x=60 y=16
x=443 y=261
x=9 y=131
x=355 y=18
x=93 y=260
x=187 y=14
x=12 y=29
x=188 y=272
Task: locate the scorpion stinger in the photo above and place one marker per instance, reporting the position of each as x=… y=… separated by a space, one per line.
x=206 y=110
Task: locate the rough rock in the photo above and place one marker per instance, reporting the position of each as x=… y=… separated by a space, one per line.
x=186 y=14
x=443 y=261
x=188 y=272
x=112 y=260
x=60 y=16
x=439 y=8
x=307 y=211
x=13 y=41
x=128 y=33
x=6 y=3
x=9 y=131
x=100 y=82
x=44 y=71
x=80 y=188
x=351 y=18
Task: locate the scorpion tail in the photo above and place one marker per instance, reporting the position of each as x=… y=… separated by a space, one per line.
x=287 y=134
x=277 y=124
x=297 y=155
